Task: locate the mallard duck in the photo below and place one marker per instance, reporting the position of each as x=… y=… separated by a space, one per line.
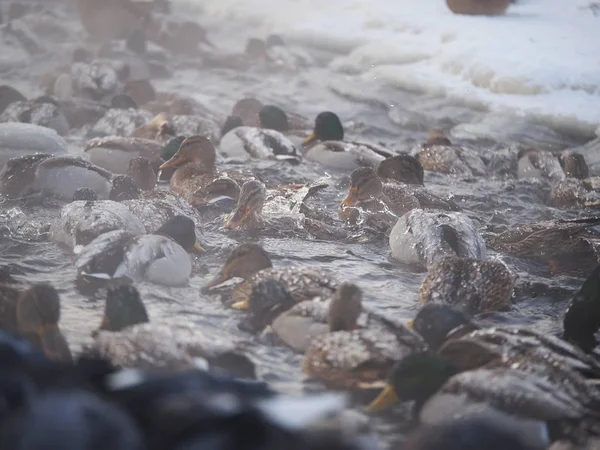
x=369 y=193
x=582 y=318
x=326 y=145
x=439 y=155
x=34 y=313
x=476 y=286
x=299 y=325
x=42 y=111
x=262 y=143
x=550 y=241
x=161 y=257
x=158 y=129
x=576 y=192
x=80 y=222
x=120 y=121
x=59 y=175
x=252 y=263
x=249 y=206
x=99 y=79
x=402 y=168
x=20 y=139
x=423 y=237
x=128 y=339
x=141 y=171
x=358 y=358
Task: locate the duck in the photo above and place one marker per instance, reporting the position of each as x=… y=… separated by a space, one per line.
x=574 y=192
x=119 y=120
x=402 y=168
x=388 y=199
x=252 y=263
x=21 y=139
x=474 y=285
x=555 y=242
x=549 y=394
x=534 y=163
x=349 y=357
x=43 y=111
x=582 y=317
x=34 y=312
x=422 y=237
x=268 y=142
x=247 y=212
x=59 y=175
x=128 y=339
x=142 y=173
x=158 y=129
x=326 y=146
x=80 y=222
x=439 y=155
x=161 y=257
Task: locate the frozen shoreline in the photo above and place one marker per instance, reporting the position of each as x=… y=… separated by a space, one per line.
x=539 y=62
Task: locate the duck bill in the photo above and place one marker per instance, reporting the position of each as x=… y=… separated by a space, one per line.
x=244 y=305
x=310 y=139
x=385 y=400
x=175 y=161
x=351 y=198
x=198 y=249
x=410 y=324
x=54 y=344
x=237 y=219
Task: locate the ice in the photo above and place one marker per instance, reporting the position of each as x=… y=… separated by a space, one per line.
x=539 y=61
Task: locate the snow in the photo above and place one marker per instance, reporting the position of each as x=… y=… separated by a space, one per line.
x=539 y=61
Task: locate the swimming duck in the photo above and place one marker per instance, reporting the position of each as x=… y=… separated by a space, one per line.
x=80 y=222
x=34 y=313
x=262 y=143
x=59 y=175
x=141 y=171
x=474 y=285
x=391 y=200
x=423 y=237
x=439 y=155
x=158 y=129
x=20 y=139
x=161 y=257
x=252 y=263
x=43 y=111
x=253 y=195
x=114 y=153
x=350 y=358
x=402 y=168
x=326 y=145
x=128 y=339
x=551 y=241
x=120 y=121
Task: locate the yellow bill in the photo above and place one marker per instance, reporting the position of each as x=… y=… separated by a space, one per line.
x=385 y=400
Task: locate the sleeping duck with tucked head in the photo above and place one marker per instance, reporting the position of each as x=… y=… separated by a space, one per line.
x=161 y=257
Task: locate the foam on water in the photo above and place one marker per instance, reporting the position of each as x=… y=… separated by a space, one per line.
x=539 y=61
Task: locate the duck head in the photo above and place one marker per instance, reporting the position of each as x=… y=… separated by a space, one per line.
x=328 y=127
x=38 y=314
x=435 y=321
x=416 y=377
x=345 y=308
x=243 y=262
x=247 y=109
x=141 y=171
x=364 y=185
x=183 y=231
x=403 y=168
x=249 y=206
x=197 y=150
x=273 y=118
x=123 y=308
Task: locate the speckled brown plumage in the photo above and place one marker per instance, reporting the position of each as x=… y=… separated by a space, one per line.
x=473 y=285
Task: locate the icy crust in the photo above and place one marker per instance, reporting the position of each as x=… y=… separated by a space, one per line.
x=539 y=60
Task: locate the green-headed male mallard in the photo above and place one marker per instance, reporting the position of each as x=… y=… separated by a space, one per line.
x=326 y=145
x=161 y=257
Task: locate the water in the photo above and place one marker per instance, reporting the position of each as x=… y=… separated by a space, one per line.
x=372 y=111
